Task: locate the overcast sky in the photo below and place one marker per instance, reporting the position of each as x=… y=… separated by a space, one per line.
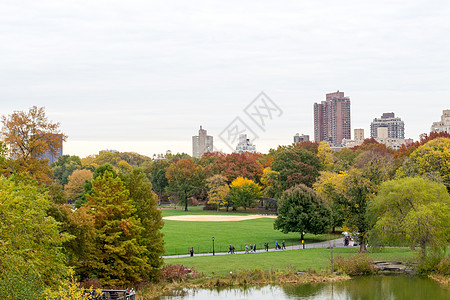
x=143 y=76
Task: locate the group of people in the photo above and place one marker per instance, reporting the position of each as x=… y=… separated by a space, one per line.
x=283 y=245
x=251 y=249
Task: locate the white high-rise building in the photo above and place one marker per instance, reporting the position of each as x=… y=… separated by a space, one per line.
x=245 y=145
x=201 y=143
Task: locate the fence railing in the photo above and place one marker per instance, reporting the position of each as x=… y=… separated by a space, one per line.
x=114 y=295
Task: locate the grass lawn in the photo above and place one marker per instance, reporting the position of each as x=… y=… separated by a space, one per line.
x=303 y=260
x=180 y=236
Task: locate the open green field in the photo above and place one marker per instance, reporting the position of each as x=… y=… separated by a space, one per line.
x=302 y=260
x=180 y=236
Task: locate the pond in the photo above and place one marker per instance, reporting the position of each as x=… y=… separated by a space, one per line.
x=361 y=288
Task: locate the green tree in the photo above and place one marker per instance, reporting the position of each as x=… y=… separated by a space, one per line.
x=117 y=258
x=357 y=194
x=30 y=135
x=157 y=174
x=30 y=242
x=244 y=193
x=144 y=200
x=301 y=210
x=99 y=171
x=185 y=180
x=296 y=166
x=414 y=210
x=64 y=167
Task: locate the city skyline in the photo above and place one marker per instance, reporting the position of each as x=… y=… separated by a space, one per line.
x=142 y=77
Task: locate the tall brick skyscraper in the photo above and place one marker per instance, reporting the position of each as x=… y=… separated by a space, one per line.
x=332 y=119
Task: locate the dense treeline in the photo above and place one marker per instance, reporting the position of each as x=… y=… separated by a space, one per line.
x=98 y=215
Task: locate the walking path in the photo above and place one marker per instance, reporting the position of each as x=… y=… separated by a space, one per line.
x=331 y=243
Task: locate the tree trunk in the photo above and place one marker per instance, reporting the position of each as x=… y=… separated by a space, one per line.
x=159 y=199
x=185 y=206
x=362 y=244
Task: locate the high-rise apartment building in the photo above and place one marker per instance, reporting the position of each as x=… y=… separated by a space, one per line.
x=332 y=119
x=245 y=145
x=300 y=138
x=201 y=143
x=444 y=124
x=395 y=126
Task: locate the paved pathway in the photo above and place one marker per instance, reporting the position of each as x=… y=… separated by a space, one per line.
x=335 y=243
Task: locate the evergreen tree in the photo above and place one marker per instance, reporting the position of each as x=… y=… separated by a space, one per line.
x=117 y=258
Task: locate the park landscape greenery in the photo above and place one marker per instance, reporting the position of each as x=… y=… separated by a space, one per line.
x=96 y=219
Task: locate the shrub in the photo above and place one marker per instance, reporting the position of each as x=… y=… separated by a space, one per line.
x=176 y=273
x=431 y=262
x=359 y=264
x=444 y=266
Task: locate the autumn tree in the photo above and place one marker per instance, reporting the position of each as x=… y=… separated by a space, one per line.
x=415 y=210
x=75 y=186
x=144 y=201
x=325 y=154
x=234 y=165
x=185 y=179
x=331 y=187
x=431 y=160
x=301 y=210
x=30 y=242
x=5 y=164
x=117 y=257
x=218 y=190
x=30 y=135
x=271 y=182
x=244 y=193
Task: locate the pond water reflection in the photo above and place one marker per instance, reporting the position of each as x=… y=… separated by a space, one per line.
x=361 y=288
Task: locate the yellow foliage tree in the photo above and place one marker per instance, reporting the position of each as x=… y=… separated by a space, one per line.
x=218 y=190
x=68 y=289
x=244 y=192
x=75 y=187
x=325 y=154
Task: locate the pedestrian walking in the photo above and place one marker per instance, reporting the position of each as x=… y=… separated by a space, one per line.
x=284 y=245
x=230 y=250
x=254 y=248
x=276 y=245
x=192 y=251
x=246 y=248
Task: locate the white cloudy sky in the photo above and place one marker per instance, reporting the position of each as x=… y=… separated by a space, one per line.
x=144 y=75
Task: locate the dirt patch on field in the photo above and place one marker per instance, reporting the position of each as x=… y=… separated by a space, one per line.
x=215 y=218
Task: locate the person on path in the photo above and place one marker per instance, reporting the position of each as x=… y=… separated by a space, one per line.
x=276 y=245
x=284 y=245
x=254 y=248
x=246 y=248
x=251 y=248
x=192 y=251
x=266 y=246
x=230 y=249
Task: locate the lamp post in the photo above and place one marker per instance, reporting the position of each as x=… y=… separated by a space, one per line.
x=213 y=246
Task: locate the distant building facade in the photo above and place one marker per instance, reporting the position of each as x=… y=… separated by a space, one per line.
x=358 y=139
x=53 y=154
x=395 y=126
x=244 y=145
x=202 y=143
x=444 y=124
x=332 y=121
x=300 y=138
